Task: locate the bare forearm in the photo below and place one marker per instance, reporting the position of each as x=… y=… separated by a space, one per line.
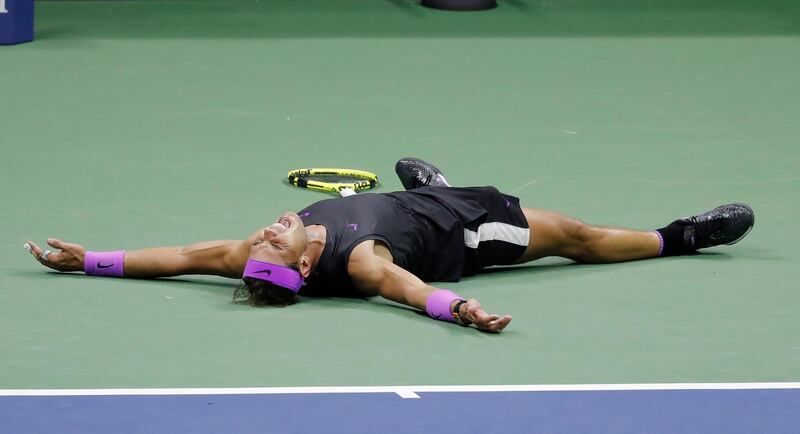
x=221 y=258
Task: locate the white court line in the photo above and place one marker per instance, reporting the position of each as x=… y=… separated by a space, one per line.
x=402 y=391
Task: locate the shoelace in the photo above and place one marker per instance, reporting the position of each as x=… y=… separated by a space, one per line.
x=708 y=229
x=419 y=181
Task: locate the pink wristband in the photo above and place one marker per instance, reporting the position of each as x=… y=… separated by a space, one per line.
x=438 y=304
x=104 y=263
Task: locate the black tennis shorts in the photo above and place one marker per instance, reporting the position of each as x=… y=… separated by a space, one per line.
x=496 y=231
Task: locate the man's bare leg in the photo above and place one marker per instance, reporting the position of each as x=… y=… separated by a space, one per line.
x=554 y=234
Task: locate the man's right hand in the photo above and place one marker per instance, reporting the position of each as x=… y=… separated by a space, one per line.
x=472 y=312
x=69 y=257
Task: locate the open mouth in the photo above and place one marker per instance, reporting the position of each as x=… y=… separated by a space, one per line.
x=285 y=222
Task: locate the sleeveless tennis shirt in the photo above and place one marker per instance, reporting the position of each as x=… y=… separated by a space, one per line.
x=423 y=229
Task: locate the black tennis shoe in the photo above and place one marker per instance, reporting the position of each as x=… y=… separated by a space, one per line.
x=415 y=173
x=726 y=224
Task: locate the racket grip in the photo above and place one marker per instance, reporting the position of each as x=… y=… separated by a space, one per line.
x=347 y=192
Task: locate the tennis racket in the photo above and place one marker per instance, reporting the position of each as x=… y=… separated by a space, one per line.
x=345 y=182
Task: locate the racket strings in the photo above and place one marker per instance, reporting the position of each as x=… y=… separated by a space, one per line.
x=333 y=180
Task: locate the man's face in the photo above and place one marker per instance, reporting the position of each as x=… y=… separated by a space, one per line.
x=282 y=242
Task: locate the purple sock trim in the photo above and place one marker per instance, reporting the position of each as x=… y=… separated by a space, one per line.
x=438 y=304
x=661 y=243
x=104 y=263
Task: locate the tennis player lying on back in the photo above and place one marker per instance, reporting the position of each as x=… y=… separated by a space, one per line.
x=390 y=244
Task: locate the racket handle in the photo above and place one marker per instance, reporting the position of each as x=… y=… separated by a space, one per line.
x=347 y=192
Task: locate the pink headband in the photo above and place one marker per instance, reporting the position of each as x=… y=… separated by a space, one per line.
x=276 y=274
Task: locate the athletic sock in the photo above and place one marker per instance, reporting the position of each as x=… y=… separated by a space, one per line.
x=672 y=239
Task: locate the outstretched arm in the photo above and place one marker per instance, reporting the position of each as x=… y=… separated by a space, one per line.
x=222 y=258
x=377 y=275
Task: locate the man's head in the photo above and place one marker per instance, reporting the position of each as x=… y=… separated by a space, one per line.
x=282 y=242
x=277 y=265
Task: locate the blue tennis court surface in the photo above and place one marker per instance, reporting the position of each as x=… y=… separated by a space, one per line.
x=773 y=410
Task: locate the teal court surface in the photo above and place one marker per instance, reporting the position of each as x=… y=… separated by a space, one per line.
x=133 y=124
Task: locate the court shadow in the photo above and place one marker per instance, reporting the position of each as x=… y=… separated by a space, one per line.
x=555 y=268
x=398 y=310
x=525 y=6
x=225 y=289
x=200 y=283
x=410 y=7
x=749 y=252
x=169 y=19
x=546 y=269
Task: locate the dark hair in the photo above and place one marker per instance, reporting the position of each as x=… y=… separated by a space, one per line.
x=259 y=293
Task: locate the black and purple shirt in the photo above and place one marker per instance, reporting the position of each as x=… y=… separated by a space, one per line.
x=423 y=228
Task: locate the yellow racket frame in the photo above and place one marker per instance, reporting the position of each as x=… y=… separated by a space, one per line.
x=299 y=177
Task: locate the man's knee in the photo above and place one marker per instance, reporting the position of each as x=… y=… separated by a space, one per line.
x=580 y=241
x=555 y=234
